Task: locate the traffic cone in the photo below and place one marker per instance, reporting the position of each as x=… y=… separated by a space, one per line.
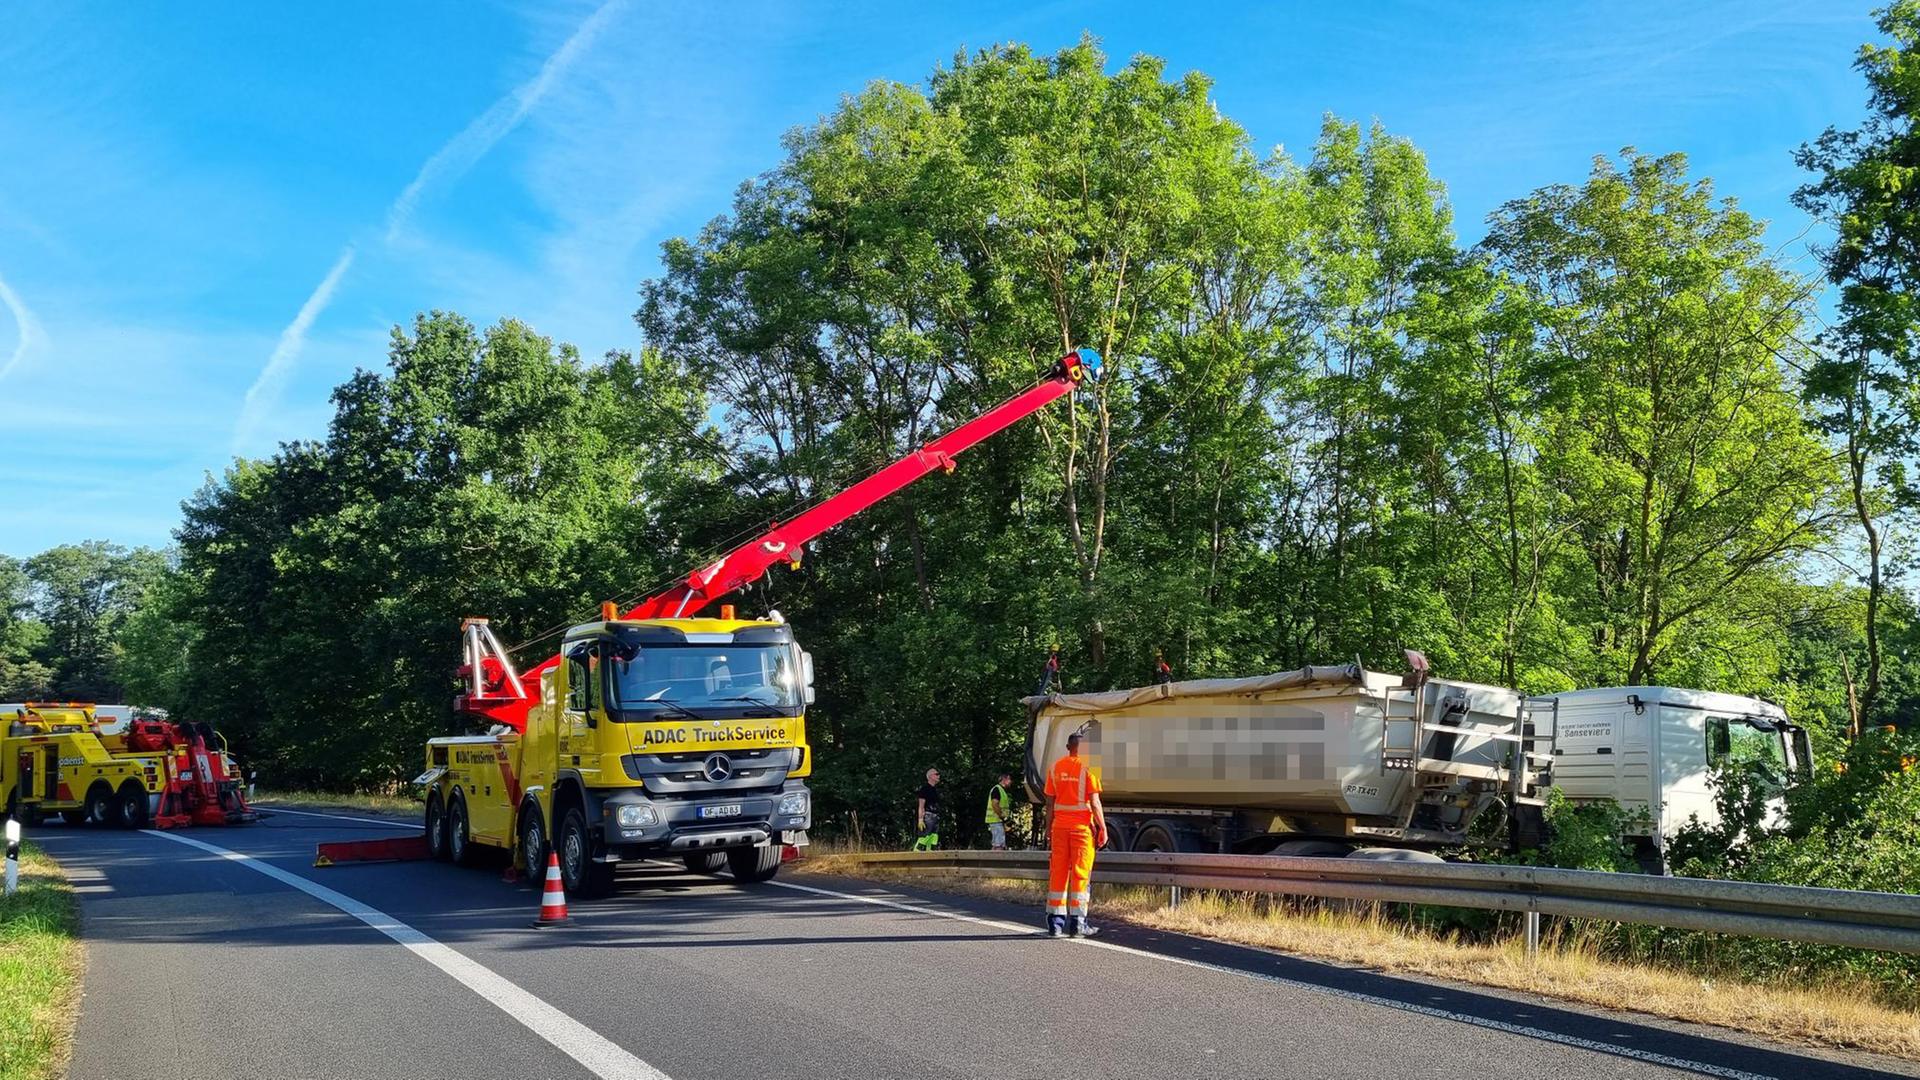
x=553 y=902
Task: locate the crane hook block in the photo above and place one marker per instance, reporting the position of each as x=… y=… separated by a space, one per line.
x=1081 y=365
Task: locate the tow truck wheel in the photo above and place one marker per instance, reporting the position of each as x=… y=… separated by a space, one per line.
x=754 y=864
x=704 y=862
x=533 y=845
x=578 y=872
x=102 y=810
x=436 y=824
x=131 y=806
x=459 y=838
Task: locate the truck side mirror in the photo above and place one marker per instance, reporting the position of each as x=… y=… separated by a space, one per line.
x=806 y=675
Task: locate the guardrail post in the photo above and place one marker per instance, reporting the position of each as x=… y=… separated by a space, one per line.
x=1533 y=933
x=13 y=856
x=1173 y=896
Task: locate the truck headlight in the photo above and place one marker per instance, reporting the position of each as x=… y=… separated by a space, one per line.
x=637 y=816
x=793 y=802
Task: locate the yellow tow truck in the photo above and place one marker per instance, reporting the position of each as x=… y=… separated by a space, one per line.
x=657 y=732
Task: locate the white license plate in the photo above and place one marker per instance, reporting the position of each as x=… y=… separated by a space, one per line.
x=731 y=809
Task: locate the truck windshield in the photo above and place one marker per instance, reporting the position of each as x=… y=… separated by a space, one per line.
x=1744 y=742
x=697 y=676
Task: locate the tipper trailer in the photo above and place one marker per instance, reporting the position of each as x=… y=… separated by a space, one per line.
x=1343 y=761
x=656 y=732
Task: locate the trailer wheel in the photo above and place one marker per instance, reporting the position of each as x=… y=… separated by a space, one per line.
x=754 y=864
x=459 y=836
x=533 y=844
x=1155 y=837
x=436 y=825
x=131 y=806
x=578 y=872
x=101 y=808
x=704 y=862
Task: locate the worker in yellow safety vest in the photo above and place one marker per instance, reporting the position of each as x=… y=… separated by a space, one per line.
x=1000 y=810
x=1076 y=825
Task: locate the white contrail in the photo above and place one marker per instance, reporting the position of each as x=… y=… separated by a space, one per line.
x=24 y=323
x=447 y=163
x=266 y=387
x=463 y=150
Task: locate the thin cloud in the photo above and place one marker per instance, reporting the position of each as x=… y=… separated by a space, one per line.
x=461 y=152
x=24 y=323
x=266 y=388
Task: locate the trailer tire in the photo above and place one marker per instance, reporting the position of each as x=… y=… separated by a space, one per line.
x=533 y=844
x=131 y=806
x=704 y=862
x=754 y=864
x=1156 y=836
x=102 y=810
x=1312 y=849
x=581 y=875
x=459 y=833
x=436 y=826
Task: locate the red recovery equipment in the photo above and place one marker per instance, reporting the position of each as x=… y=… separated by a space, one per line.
x=504 y=696
x=198 y=789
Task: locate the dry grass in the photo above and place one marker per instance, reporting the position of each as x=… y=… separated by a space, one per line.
x=390 y=804
x=41 y=960
x=1831 y=1014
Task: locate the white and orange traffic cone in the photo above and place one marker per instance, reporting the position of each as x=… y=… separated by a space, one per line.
x=553 y=901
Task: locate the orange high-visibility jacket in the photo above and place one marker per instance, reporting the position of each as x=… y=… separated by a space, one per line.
x=1073 y=783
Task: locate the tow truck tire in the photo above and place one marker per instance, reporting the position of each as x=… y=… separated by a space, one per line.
x=580 y=875
x=436 y=826
x=102 y=810
x=704 y=862
x=754 y=864
x=533 y=845
x=459 y=833
x=131 y=806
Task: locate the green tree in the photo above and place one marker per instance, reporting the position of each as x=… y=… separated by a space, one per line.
x=1865 y=380
x=1672 y=427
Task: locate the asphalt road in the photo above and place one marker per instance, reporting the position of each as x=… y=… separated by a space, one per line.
x=214 y=963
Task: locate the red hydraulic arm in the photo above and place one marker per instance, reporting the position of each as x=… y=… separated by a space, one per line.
x=496 y=692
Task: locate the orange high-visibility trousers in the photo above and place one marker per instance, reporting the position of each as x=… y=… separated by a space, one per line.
x=1069 y=867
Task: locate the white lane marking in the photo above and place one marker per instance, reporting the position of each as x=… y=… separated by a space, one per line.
x=598 y=1054
x=398 y=823
x=1349 y=995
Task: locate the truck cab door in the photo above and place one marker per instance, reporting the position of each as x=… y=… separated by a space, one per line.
x=575 y=737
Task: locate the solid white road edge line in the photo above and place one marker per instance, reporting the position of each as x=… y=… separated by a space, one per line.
x=1294 y=984
x=398 y=823
x=598 y=1054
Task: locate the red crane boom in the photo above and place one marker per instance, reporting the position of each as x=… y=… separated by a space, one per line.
x=498 y=693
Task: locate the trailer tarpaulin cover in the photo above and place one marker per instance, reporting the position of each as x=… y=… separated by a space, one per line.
x=1109 y=700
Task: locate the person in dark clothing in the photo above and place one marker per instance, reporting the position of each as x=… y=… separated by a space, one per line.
x=927 y=813
x=1162 y=673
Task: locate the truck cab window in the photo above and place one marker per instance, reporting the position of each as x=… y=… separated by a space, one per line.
x=576 y=685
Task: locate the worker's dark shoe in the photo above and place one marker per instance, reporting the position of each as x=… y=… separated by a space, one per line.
x=1056 y=926
x=1078 y=926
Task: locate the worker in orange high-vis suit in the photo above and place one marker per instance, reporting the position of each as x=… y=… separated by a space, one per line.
x=1076 y=825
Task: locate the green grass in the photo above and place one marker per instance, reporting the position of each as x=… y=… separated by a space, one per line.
x=390 y=804
x=40 y=964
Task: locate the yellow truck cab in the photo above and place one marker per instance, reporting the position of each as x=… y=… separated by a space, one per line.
x=53 y=759
x=651 y=738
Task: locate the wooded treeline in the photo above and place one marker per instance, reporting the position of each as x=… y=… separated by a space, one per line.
x=1612 y=442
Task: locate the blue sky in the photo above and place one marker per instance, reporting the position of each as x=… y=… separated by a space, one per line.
x=211 y=214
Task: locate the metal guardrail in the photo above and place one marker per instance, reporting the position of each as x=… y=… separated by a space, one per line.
x=1865 y=920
